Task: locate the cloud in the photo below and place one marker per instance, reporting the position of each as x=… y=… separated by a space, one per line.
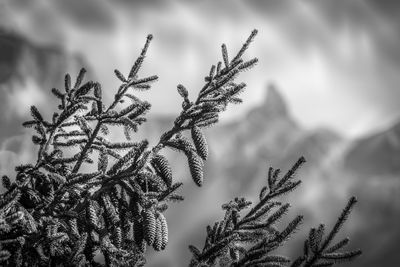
x=21 y=99
x=7 y=159
x=337 y=63
x=14 y=151
x=90 y=14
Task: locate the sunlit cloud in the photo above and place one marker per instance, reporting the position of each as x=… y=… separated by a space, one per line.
x=22 y=96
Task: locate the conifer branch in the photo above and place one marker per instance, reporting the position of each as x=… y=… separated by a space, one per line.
x=316 y=249
x=55 y=213
x=259 y=228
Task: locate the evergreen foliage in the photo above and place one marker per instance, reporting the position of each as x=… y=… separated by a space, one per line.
x=57 y=214
x=250 y=239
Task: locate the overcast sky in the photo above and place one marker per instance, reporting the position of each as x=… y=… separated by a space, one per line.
x=336 y=62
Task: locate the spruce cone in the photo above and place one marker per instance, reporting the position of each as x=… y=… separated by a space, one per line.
x=118 y=237
x=149 y=226
x=111 y=210
x=73 y=224
x=186 y=145
x=143 y=246
x=200 y=142
x=164 y=231
x=91 y=214
x=196 y=168
x=161 y=164
x=158 y=238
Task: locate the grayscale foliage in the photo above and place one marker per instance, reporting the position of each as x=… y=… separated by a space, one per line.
x=57 y=214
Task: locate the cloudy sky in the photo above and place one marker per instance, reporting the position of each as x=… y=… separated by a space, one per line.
x=336 y=62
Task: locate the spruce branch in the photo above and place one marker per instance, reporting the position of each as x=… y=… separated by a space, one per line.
x=55 y=212
x=316 y=249
x=250 y=239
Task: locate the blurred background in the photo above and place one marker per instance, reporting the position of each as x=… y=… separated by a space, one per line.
x=326 y=87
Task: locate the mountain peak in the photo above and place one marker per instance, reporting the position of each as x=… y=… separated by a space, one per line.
x=274 y=102
x=378 y=154
x=273 y=109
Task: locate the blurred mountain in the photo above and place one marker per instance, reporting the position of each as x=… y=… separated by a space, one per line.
x=374 y=164
x=20 y=58
x=267 y=136
x=378 y=154
x=240 y=154
x=242 y=148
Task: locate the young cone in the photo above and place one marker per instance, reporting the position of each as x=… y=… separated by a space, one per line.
x=164 y=231
x=200 y=142
x=118 y=237
x=158 y=238
x=91 y=213
x=196 y=168
x=149 y=226
x=161 y=164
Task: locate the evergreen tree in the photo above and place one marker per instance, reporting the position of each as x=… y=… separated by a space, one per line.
x=58 y=214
